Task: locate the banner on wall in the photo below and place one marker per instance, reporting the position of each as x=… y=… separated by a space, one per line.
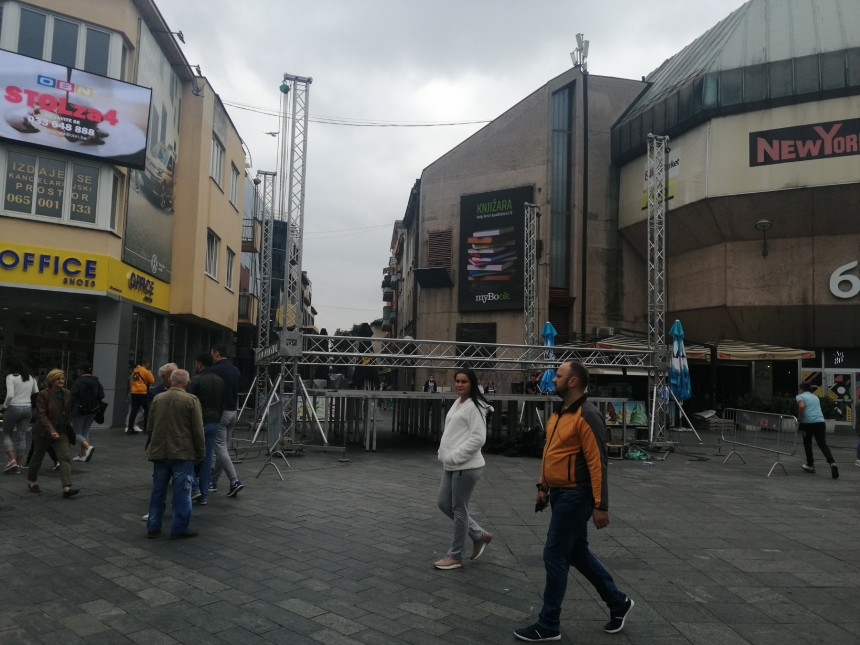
x=148 y=241
x=51 y=106
x=492 y=228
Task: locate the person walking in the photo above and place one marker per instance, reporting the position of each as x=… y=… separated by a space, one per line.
x=87 y=394
x=175 y=429
x=463 y=464
x=573 y=481
x=21 y=386
x=141 y=379
x=212 y=391
x=230 y=374
x=812 y=425
x=53 y=423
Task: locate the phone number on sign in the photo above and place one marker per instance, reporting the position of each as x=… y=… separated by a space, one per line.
x=60 y=125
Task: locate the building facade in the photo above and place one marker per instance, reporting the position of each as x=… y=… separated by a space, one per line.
x=121 y=219
x=764 y=165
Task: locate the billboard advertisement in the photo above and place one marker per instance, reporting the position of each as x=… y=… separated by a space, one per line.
x=492 y=227
x=148 y=240
x=62 y=108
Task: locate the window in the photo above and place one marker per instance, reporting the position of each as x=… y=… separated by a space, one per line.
x=440 y=248
x=216 y=170
x=65 y=190
x=234 y=185
x=228 y=276
x=213 y=243
x=70 y=43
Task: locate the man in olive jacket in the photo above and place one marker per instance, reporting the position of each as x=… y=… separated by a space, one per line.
x=175 y=428
x=573 y=481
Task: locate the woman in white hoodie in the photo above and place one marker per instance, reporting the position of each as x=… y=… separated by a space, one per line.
x=460 y=454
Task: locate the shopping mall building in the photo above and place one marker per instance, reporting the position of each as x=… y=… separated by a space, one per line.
x=763 y=116
x=123 y=181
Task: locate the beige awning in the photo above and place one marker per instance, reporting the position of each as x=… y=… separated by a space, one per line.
x=731 y=350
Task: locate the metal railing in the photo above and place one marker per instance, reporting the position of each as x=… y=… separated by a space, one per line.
x=774 y=433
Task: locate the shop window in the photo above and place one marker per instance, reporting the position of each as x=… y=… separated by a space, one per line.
x=228 y=269
x=216 y=170
x=234 y=185
x=68 y=42
x=213 y=243
x=64 y=190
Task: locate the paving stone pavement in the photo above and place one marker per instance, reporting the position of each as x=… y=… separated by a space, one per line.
x=712 y=553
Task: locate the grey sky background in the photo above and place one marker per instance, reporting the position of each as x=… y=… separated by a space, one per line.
x=402 y=61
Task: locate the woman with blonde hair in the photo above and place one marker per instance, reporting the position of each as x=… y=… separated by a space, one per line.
x=53 y=422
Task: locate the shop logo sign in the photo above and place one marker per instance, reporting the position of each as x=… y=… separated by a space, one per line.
x=839 y=276
x=805 y=142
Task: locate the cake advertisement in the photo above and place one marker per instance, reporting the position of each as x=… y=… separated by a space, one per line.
x=492 y=228
x=62 y=108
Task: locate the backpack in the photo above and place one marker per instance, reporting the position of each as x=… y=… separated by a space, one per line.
x=88 y=397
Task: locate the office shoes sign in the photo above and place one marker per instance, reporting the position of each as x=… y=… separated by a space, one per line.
x=805 y=142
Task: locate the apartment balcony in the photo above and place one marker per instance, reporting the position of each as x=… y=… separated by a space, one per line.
x=252 y=235
x=249 y=309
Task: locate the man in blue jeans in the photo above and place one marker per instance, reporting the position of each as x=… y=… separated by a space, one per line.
x=175 y=428
x=573 y=481
x=211 y=390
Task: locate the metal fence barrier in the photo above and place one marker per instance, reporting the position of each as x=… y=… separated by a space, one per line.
x=775 y=433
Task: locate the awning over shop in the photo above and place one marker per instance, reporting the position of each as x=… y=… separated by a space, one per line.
x=733 y=350
x=737 y=350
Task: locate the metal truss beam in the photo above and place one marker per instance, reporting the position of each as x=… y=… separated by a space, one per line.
x=404 y=352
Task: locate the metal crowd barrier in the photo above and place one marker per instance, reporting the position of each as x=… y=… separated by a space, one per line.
x=774 y=433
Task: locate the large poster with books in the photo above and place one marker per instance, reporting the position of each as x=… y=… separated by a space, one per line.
x=491 y=249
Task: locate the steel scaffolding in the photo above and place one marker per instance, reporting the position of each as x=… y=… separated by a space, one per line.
x=657 y=173
x=532 y=212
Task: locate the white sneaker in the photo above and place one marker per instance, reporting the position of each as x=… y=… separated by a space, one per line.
x=857 y=463
x=138 y=429
x=56 y=466
x=79 y=458
x=145 y=517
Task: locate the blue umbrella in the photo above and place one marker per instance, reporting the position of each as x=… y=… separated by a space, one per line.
x=549 y=333
x=679 y=371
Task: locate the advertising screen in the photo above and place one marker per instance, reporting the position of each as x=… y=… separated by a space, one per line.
x=491 y=249
x=52 y=106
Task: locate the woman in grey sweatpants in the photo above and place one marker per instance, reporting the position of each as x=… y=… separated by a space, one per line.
x=460 y=453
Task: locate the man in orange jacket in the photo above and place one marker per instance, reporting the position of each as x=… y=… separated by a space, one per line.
x=141 y=379
x=573 y=481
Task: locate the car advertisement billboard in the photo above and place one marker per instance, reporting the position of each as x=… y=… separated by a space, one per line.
x=148 y=240
x=62 y=108
x=492 y=227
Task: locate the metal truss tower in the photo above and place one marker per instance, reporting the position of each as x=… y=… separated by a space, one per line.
x=291 y=206
x=264 y=312
x=657 y=187
x=532 y=212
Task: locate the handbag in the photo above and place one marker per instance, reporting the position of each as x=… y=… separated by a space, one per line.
x=100 y=413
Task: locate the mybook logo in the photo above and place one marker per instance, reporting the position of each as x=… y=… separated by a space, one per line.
x=484 y=298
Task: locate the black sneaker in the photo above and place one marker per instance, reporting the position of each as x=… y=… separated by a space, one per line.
x=537 y=634
x=235 y=487
x=616 y=622
x=834 y=471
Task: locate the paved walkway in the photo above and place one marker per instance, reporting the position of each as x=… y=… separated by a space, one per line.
x=342 y=553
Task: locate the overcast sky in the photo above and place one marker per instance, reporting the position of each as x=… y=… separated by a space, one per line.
x=402 y=61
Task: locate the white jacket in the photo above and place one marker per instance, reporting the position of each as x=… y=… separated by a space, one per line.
x=465 y=433
x=18 y=392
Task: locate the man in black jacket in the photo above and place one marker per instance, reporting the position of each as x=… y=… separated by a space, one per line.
x=230 y=373
x=212 y=391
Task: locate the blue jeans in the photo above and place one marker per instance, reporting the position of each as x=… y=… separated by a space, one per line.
x=82 y=425
x=203 y=469
x=566 y=546
x=182 y=472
